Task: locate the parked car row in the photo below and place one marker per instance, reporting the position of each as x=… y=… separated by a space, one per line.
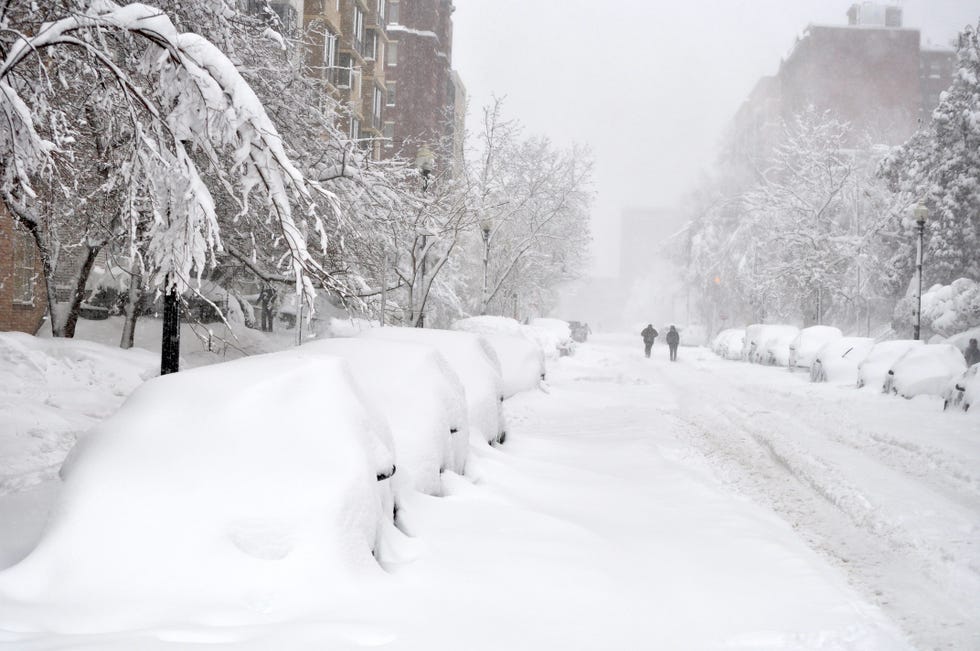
x=900 y=367
x=264 y=477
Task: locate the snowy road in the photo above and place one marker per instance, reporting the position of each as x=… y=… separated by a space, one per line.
x=648 y=505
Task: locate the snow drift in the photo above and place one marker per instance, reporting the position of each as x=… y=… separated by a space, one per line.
x=521 y=359
x=924 y=370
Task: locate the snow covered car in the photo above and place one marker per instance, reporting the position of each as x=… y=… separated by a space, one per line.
x=421 y=398
x=768 y=344
x=580 y=331
x=963 y=390
x=803 y=349
x=729 y=343
x=873 y=369
x=475 y=362
x=265 y=477
x=924 y=370
x=554 y=336
x=522 y=362
x=837 y=360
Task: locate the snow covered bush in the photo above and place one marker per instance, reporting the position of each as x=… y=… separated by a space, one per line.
x=219 y=493
x=729 y=343
x=804 y=348
x=946 y=309
x=873 y=370
x=422 y=400
x=477 y=366
x=837 y=360
x=924 y=370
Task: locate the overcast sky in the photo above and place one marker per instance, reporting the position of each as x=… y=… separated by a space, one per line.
x=649 y=85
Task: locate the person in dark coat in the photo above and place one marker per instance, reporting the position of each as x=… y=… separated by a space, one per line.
x=649 y=336
x=673 y=341
x=972 y=353
x=267 y=300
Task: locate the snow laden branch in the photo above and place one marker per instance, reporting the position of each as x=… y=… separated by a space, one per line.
x=197 y=107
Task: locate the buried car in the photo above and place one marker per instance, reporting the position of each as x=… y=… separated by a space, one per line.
x=837 y=360
x=475 y=363
x=874 y=367
x=924 y=370
x=211 y=492
x=804 y=348
x=963 y=391
x=422 y=399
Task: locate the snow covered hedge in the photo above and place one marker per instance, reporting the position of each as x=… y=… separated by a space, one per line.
x=946 y=309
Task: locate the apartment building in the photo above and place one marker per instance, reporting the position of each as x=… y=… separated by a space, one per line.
x=872 y=73
x=426 y=101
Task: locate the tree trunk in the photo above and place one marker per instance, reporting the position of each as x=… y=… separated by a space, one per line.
x=133 y=300
x=78 y=293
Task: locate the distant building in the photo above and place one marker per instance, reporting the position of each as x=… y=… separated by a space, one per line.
x=872 y=73
x=426 y=98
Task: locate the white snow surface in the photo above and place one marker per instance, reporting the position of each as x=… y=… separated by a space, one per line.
x=423 y=402
x=837 y=361
x=553 y=335
x=476 y=365
x=227 y=494
x=804 y=348
x=625 y=512
x=925 y=370
x=874 y=368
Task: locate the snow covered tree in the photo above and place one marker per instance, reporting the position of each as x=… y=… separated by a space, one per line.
x=940 y=166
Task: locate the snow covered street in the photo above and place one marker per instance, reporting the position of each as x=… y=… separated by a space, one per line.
x=641 y=504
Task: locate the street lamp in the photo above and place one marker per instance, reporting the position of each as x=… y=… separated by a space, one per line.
x=486 y=226
x=921 y=215
x=425 y=162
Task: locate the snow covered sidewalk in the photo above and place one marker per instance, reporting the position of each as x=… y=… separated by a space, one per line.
x=600 y=525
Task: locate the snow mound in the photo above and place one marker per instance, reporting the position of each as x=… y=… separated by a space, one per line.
x=962 y=340
x=52 y=390
x=804 y=348
x=874 y=368
x=952 y=308
x=729 y=343
x=476 y=364
x=837 y=360
x=219 y=494
x=422 y=399
x=924 y=370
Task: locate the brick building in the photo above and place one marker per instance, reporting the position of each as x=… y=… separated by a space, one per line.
x=426 y=98
x=872 y=73
x=22 y=293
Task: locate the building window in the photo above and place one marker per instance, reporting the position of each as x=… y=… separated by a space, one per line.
x=381 y=11
x=329 y=51
x=393 y=13
x=342 y=78
x=378 y=104
x=391 y=93
x=389 y=134
x=371 y=41
x=393 y=53
x=358 y=32
x=24 y=276
x=355 y=129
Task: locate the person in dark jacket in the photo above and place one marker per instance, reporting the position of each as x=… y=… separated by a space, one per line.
x=649 y=336
x=972 y=353
x=673 y=341
x=267 y=301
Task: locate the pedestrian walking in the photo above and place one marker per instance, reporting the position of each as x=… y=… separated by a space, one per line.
x=972 y=353
x=673 y=341
x=267 y=300
x=649 y=335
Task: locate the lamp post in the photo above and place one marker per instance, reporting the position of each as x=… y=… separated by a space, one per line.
x=170 y=346
x=921 y=214
x=425 y=162
x=485 y=228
